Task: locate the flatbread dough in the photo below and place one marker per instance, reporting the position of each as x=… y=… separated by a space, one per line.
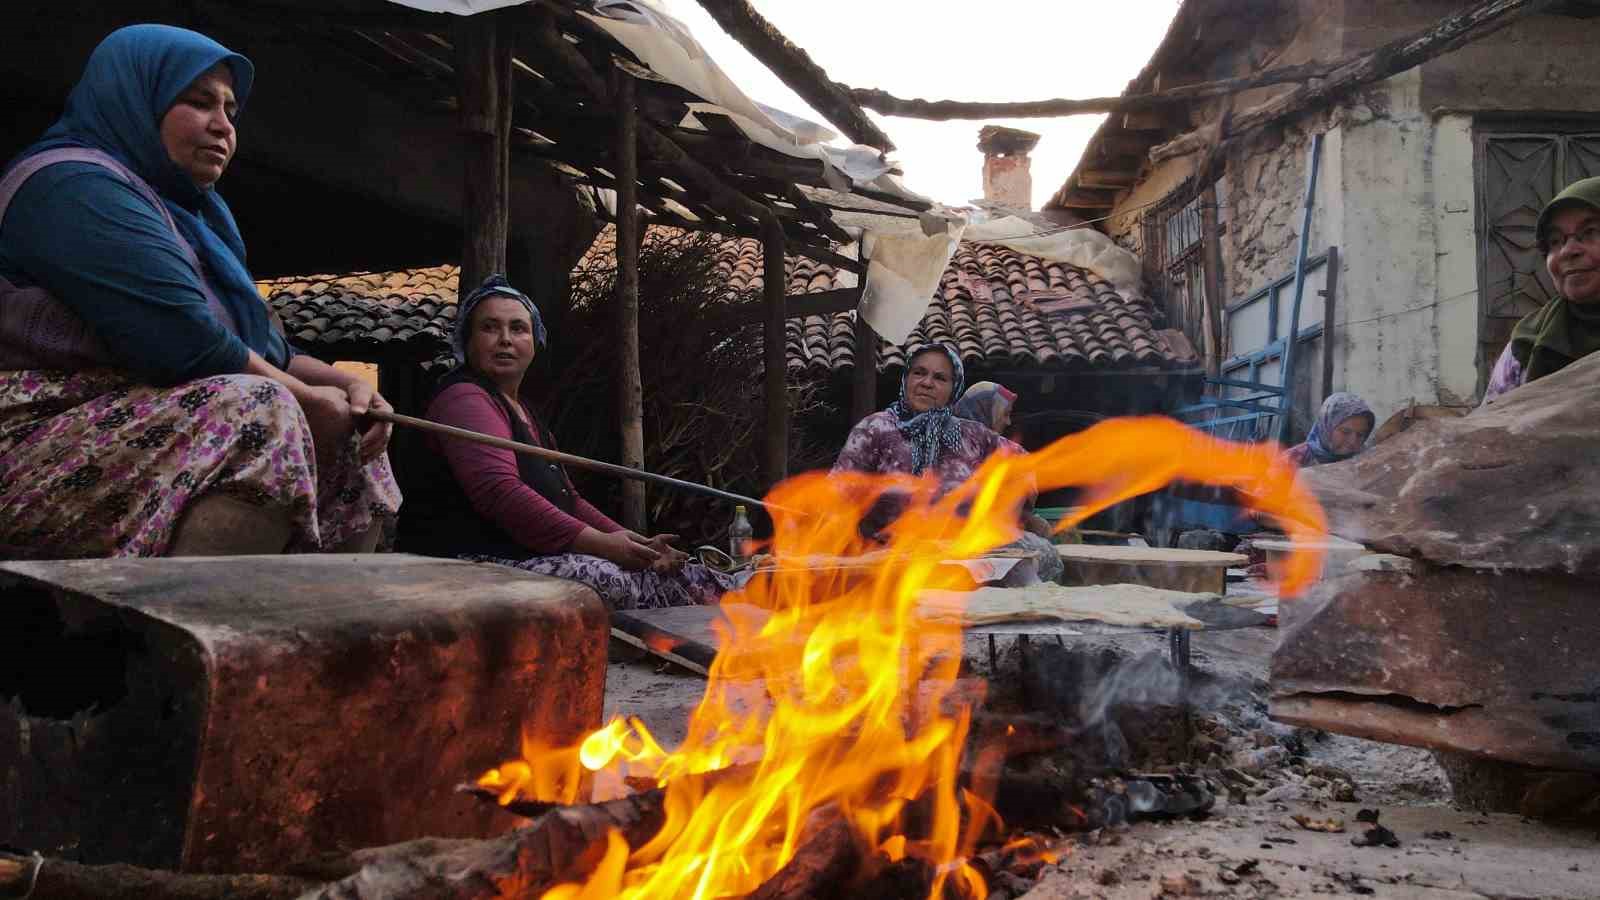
x=1132 y=605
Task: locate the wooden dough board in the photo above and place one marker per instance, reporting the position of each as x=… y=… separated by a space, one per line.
x=1193 y=571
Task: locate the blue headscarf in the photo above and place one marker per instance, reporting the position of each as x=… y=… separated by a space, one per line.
x=1335 y=410
x=493 y=286
x=130 y=82
x=934 y=431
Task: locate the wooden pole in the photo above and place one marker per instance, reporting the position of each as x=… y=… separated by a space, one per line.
x=630 y=390
x=1211 y=270
x=864 y=378
x=774 y=280
x=483 y=75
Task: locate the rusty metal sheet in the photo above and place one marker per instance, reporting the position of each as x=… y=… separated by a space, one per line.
x=1496 y=666
x=245 y=713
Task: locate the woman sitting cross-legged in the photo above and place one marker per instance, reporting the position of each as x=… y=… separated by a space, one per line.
x=149 y=403
x=921 y=432
x=496 y=505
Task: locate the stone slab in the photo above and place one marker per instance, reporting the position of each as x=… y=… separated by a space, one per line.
x=1494 y=666
x=245 y=713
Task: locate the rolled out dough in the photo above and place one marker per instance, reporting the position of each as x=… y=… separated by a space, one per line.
x=1132 y=605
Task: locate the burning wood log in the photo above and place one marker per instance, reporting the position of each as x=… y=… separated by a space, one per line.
x=821 y=868
x=562 y=846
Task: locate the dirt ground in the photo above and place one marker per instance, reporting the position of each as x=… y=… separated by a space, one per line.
x=1253 y=848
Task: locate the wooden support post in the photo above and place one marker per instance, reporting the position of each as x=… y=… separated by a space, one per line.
x=1211 y=272
x=630 y=392
x=774 y=280
x=483 y=72
x=864 y=378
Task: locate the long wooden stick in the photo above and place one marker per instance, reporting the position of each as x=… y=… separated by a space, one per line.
x=581 y=462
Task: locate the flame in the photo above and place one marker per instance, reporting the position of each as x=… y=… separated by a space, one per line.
x=855 y=713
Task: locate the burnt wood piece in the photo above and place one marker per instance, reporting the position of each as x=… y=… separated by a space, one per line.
x=1452 y=32
x=820 y=869
x=864 y=373
x=1492 y=666
x=250 y=712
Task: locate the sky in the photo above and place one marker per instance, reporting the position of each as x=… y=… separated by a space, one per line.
x=949 y=50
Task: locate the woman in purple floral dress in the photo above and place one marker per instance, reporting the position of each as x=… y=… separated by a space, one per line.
x=149 y=403
x=920 y=432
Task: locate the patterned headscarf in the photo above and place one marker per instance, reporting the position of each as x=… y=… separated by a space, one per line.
x=984 y=403
x=1560 y=332
x=494 y=286
x=934 y=431
x=1335 y=410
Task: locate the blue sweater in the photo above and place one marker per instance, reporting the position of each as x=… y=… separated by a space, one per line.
x=99 y=247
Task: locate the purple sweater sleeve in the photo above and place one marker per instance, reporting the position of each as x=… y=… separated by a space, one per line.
x=491 y=481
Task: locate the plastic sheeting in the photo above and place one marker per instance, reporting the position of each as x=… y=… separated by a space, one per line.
x=907 y=257
x=459 y=7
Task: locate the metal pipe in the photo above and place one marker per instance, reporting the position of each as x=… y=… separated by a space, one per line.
x=1286 y=404
x=581 y=462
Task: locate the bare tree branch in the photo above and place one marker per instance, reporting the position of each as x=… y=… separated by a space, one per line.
x=942 y=110
x=1450 y=33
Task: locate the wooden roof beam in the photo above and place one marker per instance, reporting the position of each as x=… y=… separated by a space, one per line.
x=791 y=64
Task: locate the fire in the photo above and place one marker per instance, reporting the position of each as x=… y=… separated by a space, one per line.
x=857 y=718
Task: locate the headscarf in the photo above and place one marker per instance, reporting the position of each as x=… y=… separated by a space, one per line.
x=1336 y=409
x=1561 y=332
x=130 y=82
x=494 y=286
x=985 y=403
x=934 y=431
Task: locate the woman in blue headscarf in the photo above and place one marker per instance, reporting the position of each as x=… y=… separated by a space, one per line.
x=920 y=432
x=149 y=403
x=1343 y=425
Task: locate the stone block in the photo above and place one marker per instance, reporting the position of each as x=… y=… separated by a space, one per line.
x=244 y=713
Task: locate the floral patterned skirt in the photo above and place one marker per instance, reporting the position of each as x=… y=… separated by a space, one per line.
x=622 y=589
x=93 y=464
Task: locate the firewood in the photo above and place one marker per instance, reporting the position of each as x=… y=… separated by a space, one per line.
x=564 y=845
x=59 y=879
x=821 y=868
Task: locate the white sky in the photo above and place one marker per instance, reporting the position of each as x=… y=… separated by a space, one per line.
x=950 y=50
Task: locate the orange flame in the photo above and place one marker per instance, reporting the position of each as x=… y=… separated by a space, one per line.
x=855 y=713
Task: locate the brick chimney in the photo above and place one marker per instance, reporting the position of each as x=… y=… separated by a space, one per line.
x=1006 y=181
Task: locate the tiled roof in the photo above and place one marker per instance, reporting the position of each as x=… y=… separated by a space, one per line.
x=1006 y=310
x=1000 y=308
x=396 y=315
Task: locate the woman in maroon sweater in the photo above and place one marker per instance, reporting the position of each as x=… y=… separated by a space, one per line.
x=492 y=504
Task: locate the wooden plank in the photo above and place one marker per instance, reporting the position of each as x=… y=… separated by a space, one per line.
x=630 y=391
x=1211 y=271
x=796 y=306
x=1088 y=199
x=1114 y=179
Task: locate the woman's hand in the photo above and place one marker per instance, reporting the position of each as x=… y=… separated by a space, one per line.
x=618 y=547
x=327 y=410
x=671 y=559
x=375 y=437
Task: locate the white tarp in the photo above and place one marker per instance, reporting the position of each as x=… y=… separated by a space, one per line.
x=459 y=7
x=907 y=257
